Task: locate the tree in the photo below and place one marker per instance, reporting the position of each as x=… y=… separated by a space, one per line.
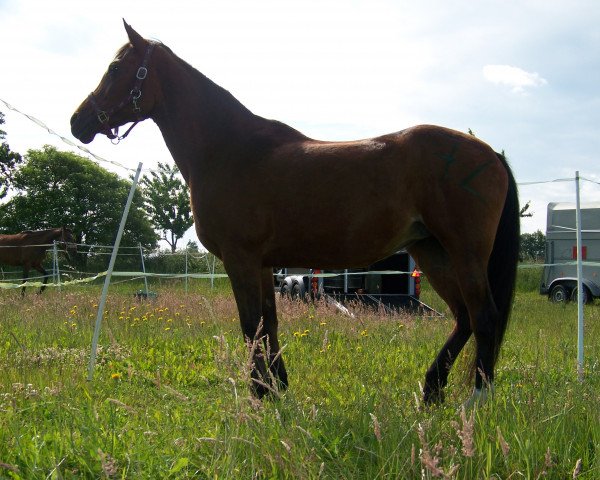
x=533 y=246
x=167 y=202
x=8 y=162
x=55 y=188
x=524 y=212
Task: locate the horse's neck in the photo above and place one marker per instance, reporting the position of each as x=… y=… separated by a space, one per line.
x=199 y=118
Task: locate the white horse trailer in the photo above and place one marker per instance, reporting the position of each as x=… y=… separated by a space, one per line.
x=559 y=279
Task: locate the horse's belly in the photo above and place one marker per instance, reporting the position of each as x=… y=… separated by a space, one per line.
x=340 y=247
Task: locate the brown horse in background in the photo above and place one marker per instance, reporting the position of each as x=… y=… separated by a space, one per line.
x=28 y=249
x=258 y=187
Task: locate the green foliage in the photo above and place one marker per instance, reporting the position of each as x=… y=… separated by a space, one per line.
x=167 y=202
x=533 y=247
x=170 y=399
x=8 y=162
x=56 y=188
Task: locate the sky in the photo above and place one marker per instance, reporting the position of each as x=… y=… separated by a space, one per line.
x=524 y=75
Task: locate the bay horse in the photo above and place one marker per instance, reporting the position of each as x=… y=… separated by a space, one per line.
x=258 y=186
x=28 y=249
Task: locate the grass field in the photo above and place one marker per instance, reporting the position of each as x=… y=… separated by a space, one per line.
x=169 y=397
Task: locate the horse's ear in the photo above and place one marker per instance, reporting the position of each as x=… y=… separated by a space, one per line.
x=134 y=38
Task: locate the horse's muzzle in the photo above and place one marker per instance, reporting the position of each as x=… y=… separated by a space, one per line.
x=82 y=128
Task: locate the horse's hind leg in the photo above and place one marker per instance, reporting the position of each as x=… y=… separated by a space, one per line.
x=433 y=261
x=269 y=315
x=484 y=318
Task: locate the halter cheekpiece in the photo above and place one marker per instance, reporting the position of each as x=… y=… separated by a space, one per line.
x=134 y=97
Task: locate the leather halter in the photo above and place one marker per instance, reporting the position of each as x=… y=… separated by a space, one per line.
x=134 y=97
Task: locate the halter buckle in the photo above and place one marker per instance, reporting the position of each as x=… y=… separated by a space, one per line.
x=141 y=73
x=102 y=116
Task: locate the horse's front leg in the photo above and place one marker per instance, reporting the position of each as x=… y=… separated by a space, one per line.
x=245 y=276
x=25 y=278
x=269 y=315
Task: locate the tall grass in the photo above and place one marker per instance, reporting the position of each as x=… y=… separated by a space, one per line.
x=170 y=394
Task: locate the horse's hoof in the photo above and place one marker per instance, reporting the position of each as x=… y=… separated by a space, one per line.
x=434 y=397
x=259 y=391
x=479 y=397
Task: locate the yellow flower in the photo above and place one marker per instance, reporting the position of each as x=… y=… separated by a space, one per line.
x=116 y=376
x=323 y=323
x=167 y=329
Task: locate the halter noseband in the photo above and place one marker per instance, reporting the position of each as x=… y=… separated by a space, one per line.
x=133 y=97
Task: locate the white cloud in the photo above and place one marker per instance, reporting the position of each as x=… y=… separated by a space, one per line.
x=514 y=77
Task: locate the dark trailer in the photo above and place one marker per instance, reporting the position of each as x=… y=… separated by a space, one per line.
x=393 y=283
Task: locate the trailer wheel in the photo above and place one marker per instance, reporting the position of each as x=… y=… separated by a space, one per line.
x=285 y=290
x=559 y=294
x=587 y=296
x=296 y=290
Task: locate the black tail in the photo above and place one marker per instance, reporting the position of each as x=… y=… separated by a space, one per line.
x=502 y=268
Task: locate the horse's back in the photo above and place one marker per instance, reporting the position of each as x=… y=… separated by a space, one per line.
x=352 y=202
x=20 y=249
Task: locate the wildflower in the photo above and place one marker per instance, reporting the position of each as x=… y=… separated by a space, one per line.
x=577 y=469
x=167 y=329
x=364 y=333
x=376 y=427
x=116 y=376
x=503 y=444
x=323 y=324
x=466 y=432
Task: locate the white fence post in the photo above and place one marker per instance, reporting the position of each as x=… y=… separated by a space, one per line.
x=579 y=281
x=55 y=267
x=111 y=266
x=144 y=269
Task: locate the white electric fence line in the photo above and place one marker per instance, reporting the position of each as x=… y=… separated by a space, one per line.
x=138 y=275
x=117 y=164
x=68 y=141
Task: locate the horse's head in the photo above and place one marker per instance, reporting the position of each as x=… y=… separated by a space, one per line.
x=68 y=239
x=118 y=99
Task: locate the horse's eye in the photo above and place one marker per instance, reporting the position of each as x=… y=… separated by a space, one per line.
x=113 y=68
